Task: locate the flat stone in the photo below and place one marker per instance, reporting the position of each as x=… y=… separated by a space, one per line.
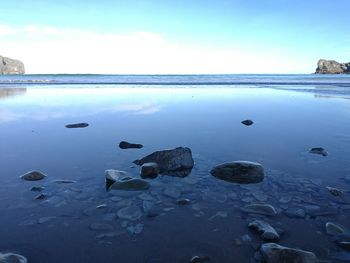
x=262 y=209
x=128 y=145
x=130 y=213
x=274 y=253
x=318 y=150
x=37 y=189
x=334 y=229
x=295 y=212
x=247 y=122
x=33 y=176
x=77 y=125
x=176 y=162
x=149 y=170
x=12 y=258
x=266 y=231
x=133 y=184
x=64 y=181
x=243 y=172
x=41 y=196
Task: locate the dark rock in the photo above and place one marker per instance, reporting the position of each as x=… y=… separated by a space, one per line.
x=37 y=188
x=176 y=162
x=128 y=145
x=183 y=201
x=200 y=259
x=266 y=231
x=33 y=176
x=149 y=170
x=64 y=181
x=342 y=256
x=11 y=66
x=332 y=67
x=119 y=180
x=242 y=172
x=77 y=125
x=12 y=258
x=274 y=253
x=318 y=150
x=41 y=196
x=262 y=209
x=343 y=240
x=247 y=122
x=334 y=229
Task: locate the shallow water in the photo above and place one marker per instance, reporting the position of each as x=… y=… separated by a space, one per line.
x=288 y=121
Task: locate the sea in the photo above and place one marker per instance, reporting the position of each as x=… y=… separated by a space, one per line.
x=70 y=217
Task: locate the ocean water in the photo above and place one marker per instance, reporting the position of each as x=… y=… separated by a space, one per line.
x=291 y=114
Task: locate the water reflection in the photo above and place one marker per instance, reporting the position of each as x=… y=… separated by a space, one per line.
x=9 y=92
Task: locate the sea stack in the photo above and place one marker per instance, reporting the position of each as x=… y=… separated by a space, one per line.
x=332 y=67
x=11 y=66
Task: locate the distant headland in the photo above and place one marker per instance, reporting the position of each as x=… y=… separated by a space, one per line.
x=332 y=67
x=11 y=66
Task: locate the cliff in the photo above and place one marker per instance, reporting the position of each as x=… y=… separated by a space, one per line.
x=11 y=66
x=332 y=67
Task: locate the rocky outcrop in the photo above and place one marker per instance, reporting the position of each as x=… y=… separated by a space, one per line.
x=11 y=66
x=332 y=67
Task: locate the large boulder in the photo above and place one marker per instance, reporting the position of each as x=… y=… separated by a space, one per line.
x=11 y=66
x=177 y=162
x=274 y=253
x=243 y=172
x=332 y=67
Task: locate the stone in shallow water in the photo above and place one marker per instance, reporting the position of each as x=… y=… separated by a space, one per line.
x=149 y=170
x=12 y=258
x=41 y=196
x=266 y=231
x=343 y=240
x=176 y=162
x=128 y=145
x=274 y=253
x=318 y=150
x=130 y=213
x=172 y=192
x=133 y=184
x=243 y=172
x=295 y=212
x=334 y=191
x=33 y=176
x=183 y=201
x=247 y=122
x=77 y=125
x=200 y=259
x=135 y=230
x=37 y=189
x=64 y=181
x=262 y=209
x=334 y=229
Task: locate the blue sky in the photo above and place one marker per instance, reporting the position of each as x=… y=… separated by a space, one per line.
x=236 y=36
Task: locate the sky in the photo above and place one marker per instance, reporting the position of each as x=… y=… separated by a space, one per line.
x=174 y=37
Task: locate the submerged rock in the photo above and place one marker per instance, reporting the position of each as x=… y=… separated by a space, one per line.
x=295 y=212
x=149 y=170
x=343 y=240
x=12 y=258
x=37 y=188
x=274 y=253
x=33 y=176
x=334 y=229
x=247 y=122
x=243 y=172
x=128 y=145
x=177 y=162
x=41 y=196
x=119 y=180
x=334 y=191
x=262 y=209
x=77 y=125
x=130 y=213
x=266 y=231
x=200 y=259
x=318 y=150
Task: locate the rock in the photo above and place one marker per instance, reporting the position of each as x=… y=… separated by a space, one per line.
x=119 y=180
x=177 y=162
x=247 y=122
x=332 y=67
x=41 y=196
x=200 y=259
x=266 y=231
x=334 y=229
x=135 y=230
x=12 y=258
x=149 y=170
x=33 y=176
x=295 y=212
x=64 y=181
x=128 y=145
x=262 y=209
x=77 y=125
x=343 y=240
x=318 y=150
x=274 y=253
x=130 y=213
x=37 y=189
x=11 y=66
x=334 y=191
x=243 y=172
x=183 y=201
